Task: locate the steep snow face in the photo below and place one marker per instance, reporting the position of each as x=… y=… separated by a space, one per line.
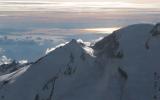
x=121 y=66
x=137 y=61
x=138 y=54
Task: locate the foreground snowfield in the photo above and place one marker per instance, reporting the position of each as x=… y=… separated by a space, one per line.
x=122 y=66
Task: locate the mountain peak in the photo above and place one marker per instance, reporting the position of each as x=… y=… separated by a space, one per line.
x=76 y=43
x=73 y=41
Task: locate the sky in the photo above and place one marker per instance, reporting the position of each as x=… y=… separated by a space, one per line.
x=78 y=5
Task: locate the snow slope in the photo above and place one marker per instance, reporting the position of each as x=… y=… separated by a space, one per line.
x=121 y=66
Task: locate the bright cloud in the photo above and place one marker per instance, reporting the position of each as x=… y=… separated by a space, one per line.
x=101 y=30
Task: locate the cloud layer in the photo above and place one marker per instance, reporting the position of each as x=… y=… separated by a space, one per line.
x=40 y=5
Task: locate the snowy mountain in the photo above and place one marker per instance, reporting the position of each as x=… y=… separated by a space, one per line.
x=121 y=66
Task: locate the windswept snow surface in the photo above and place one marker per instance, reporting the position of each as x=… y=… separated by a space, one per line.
x=121 y=66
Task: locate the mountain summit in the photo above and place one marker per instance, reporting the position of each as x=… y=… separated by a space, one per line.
x=122 y=66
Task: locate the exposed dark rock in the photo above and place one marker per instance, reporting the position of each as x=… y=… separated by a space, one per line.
x=36 y=97
x=147 y=45
x=83 y=56
x=123 y=73
x=109 y=46
x=156 y=30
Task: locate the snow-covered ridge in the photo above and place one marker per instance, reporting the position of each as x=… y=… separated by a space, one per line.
x=115 y=68
x=11 y=66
